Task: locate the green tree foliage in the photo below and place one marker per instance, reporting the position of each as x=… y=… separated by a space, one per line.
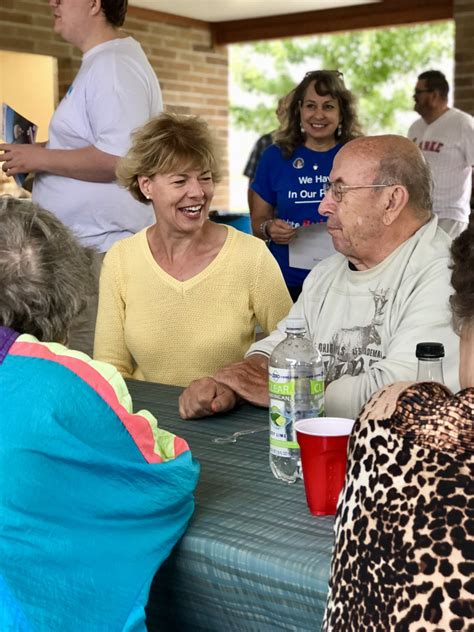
x=380 y=67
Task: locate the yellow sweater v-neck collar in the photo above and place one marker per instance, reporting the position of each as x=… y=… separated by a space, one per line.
x=197 y=278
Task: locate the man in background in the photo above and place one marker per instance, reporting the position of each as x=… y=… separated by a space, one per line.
x=446 y=137
x=114 y=92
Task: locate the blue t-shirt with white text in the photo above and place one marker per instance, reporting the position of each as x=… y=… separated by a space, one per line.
x=294 y=187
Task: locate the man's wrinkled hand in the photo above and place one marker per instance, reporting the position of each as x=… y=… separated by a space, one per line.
x=249 y=379
x=206 y=397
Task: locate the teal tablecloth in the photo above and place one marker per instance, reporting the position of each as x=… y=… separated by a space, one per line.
x=253 y=558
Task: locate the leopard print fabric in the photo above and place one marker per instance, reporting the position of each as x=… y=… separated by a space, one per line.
x=404 y=552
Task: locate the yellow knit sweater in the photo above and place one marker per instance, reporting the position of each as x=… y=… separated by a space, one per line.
x=153 y=327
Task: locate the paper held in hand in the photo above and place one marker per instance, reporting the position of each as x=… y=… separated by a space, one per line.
x=15 y=128
x=310 y=245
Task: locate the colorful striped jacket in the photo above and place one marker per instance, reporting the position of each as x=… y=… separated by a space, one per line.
x=92 y=496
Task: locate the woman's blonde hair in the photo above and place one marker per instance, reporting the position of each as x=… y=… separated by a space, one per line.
x=168 y=143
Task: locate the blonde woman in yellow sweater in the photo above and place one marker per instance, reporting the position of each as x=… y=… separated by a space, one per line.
x=182 y=298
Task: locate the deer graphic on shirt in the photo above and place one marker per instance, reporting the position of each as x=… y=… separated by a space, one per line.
x=350 y=344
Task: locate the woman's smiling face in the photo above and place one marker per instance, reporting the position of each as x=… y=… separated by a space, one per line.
x=320 y=117
x=181 y=199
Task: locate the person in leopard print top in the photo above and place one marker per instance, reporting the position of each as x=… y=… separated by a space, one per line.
x=403 y=556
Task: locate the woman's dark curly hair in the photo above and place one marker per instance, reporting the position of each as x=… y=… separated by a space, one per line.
x=462 y=277
x=326 y=82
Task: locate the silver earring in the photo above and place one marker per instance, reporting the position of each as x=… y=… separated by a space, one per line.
x=339 y=130
x=302 y=129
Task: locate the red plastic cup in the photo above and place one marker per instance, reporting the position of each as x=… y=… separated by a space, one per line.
x=323 y=445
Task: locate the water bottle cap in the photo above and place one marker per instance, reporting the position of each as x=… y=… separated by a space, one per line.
x=295 y=324
x=430 y=350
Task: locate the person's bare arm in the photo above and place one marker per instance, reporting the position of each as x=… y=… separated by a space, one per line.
x=88 y=163
x=277 y=229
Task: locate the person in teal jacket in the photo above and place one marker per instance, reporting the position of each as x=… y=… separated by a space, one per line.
x=93 y=495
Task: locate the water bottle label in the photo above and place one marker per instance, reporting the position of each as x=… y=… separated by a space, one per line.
x=283 y=446
x=281 y=429
x=281 y=383
x=281 y=388
x=284 y=452
x=292 y=397
x=317 y=385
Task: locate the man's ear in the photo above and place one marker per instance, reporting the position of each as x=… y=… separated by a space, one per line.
x=396 y=201
x=95 y=7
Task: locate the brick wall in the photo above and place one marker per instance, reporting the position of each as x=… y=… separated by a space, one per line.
x=464 y=55
x=192 y=74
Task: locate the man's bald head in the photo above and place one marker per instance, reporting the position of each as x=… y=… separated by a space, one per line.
x=396 y=160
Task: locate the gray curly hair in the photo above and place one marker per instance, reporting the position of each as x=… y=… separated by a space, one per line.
x=45 y=274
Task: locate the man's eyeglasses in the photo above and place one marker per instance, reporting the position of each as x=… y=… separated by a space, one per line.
x=337 y=189
x=422 y=90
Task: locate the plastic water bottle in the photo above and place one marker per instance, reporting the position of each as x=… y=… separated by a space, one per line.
x=430 y=362
x=296 y=387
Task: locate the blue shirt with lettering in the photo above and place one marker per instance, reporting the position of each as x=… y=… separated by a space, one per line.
x=294 y=187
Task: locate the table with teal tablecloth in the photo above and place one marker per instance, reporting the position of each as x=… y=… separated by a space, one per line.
x=253 y=558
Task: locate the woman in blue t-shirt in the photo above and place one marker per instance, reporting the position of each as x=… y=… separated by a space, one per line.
x=292 y=172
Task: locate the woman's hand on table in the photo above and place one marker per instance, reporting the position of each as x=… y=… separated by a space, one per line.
x=206 y=397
